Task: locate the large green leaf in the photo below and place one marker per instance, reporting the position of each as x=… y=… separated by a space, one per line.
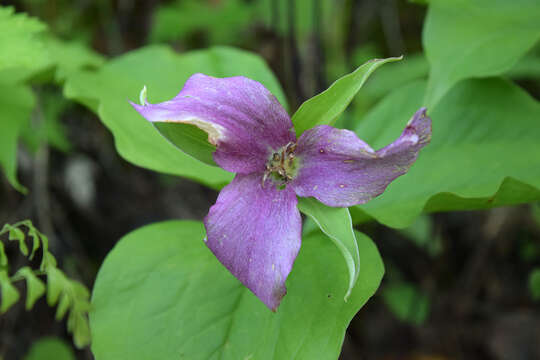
x=16 y=104
x=163 y=72
x=161 y=294
x=336 y=223
x=476 y=38
x=484 y=150
x=328 y=105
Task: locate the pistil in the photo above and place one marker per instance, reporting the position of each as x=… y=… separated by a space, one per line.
x=282 y=165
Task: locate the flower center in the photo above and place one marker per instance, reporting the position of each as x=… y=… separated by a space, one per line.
x=281 y=165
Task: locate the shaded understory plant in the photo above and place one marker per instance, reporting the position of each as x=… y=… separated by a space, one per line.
x=67 y=294
x=255 y=228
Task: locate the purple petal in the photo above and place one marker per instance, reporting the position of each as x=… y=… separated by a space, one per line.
x=242 y=118
x=255 y=232
x=341 y=170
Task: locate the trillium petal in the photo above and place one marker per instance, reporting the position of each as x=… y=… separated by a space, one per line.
x=241 y=117
x=340 y=170
x=255 y=232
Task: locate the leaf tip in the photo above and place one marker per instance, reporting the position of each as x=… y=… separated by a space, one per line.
x=143 y=96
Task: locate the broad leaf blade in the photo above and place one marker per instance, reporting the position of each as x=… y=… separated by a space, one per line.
x=336 y=223
x=203 y=312
x=476 y=38
x=328 y=105
x=484 y=150
x=164 y=73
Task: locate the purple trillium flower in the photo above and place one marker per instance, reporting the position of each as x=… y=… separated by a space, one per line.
x=254 y=229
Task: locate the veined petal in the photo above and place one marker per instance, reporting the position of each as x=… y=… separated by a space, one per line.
x=340 y=170
x=241 y=117
x=255 y=232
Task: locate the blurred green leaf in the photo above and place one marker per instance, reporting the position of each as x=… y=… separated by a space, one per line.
x=164 y=72
x=47 y=128
x=476 y=38
x=16 y=234
x=387 y=78
x=406 y=302
x=274 y=14
x=222 y=22
x=527 y=67
x=57 y=60
x=484 y=150
x=336 y=223
x=34 y=286
x=534 y=283
x=70 y=57
x=328 y=105
x=55 y=284
x=203 y=312
x=20 y=41
x=421 y=233
x=16 y=104
x=74 y=297
x=50 y=348
x=8 y=293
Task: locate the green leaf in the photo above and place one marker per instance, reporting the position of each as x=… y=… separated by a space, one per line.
x=8 y=293
x=203 y=312
x=16 y=104
x=20 y=41
x=476 y=38
x=59 y=59
x=78 y=324
x=16 y=234
x=484 y=150
x=328 y=105
x=35 y=288
x=198 y=146
x=407 y=302
x=534 y=283
x=48 y=129
x=70 y=57
x=336 y=223
x=55 y=284
x=164 y=72
x=50 y=348
x=63 y=306
x=422 y=234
